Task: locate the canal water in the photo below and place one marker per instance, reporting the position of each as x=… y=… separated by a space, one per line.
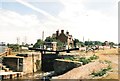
x=2 y=49
x=38 y=76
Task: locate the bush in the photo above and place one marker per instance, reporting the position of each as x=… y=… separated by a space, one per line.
x=94 y=57
x=102 y=72
x=84 y=60
x=70 y=58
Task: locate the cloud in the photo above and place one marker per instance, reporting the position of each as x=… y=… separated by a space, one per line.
x=14 y=24
x=36 y=9
x=13 y=20
x=75 y=17
x=32 y=0
x=91 y=23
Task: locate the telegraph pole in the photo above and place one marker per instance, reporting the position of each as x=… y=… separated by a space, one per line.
x=25 y=40
x=43 y=36
x=18 y=40
x=83 y=39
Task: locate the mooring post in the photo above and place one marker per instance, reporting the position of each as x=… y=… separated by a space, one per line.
x=11 y=76
x=3 y=77
x=42 y=63
x=41 y=57
x=18 y=64
x=57 y=52
x=33 y=62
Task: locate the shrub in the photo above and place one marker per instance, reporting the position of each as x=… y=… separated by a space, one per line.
x=84 y=60
x=102 y=72
x=69 y=58
x=94 y=57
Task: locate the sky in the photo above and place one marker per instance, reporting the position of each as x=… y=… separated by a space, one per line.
x=96 y=20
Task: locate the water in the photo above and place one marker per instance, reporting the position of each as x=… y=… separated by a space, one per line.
x=44 y=76
x=2 y=49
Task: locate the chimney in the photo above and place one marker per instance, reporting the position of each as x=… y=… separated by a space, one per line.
x=67 y=33
x=57 y=33
x=62 y=31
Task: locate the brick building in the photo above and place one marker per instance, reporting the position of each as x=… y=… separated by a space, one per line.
x=64 y=38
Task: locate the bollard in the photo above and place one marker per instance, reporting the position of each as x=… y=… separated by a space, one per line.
x=11 y=76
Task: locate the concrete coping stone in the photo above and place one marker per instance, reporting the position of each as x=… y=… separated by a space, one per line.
x=13 y=57
x=9 y=73
x=67 y=60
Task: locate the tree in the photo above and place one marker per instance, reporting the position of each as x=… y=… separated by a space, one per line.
x=97 y=43
x=93 y=43
x=49 y=39
x=39 y=43
x=81 y=43
x=15 y=47
x=89 y=43
x=111 y=44
x=76 y=41
x=59 y=43
x=119 y=44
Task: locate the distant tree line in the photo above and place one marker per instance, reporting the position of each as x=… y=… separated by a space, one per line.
x=76 y=43
x=40 y=43
x=16 y=47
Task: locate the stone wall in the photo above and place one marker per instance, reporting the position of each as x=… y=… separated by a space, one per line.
x=83 y=72
x=48 y=62
x=61 y=66
x=12 y=63
x=24 y=63
x=32 y=63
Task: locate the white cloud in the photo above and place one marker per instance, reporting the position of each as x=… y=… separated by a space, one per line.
x=16 y=25
x=75 y=18
x=32 y=0
x=93 y=24
x=36 y=9
x=13 y=20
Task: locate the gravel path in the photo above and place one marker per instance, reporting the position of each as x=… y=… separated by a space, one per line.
x=84 y=71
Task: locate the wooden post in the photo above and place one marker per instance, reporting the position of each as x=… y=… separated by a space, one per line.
x=2 y=77
x=18 y=64
x=41 y=60
x=11 y=76
x=18 y=74
x=33 y=61
x=6 y=53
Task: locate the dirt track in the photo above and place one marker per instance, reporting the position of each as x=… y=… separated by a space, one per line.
x=113 y=57
x=84 y=71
